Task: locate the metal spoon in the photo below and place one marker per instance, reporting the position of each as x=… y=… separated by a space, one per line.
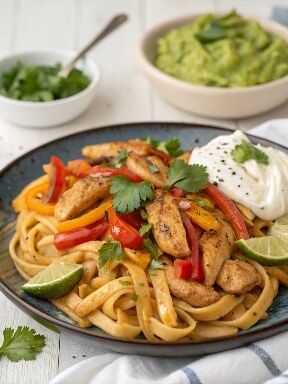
x=114 y=23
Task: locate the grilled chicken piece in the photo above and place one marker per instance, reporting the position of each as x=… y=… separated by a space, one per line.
x=167 y=226
x=236 y=276
x=143 y=167
x=84 y=193
x=216 y=248
x=191 y=292
x=99 y=152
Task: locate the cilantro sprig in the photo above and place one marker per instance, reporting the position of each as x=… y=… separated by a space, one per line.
x=111 y=250
x=172 y=147
x=120 y=159
x=191 y=178
x=128 y=195
x=22 y=344
x=247 y=151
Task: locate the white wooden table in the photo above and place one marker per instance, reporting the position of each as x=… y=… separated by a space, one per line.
x=123 y=96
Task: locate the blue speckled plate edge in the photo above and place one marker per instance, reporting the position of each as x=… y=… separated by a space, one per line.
x=191 y=135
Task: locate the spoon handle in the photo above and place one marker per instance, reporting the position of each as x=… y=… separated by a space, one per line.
x=112 y=25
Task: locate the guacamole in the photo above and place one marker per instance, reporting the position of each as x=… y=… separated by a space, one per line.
x=227 y=51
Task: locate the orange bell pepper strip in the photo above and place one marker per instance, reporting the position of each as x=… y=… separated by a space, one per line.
x=35 y=203
x=18 y=203
x=86 y=219
x=199 y=215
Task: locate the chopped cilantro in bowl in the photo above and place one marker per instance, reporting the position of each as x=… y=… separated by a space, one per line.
x=32 y=95
x=41 y=83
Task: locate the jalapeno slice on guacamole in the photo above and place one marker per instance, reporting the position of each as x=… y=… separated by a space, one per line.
x=227 y=51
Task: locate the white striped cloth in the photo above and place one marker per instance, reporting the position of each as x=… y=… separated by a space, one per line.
x=263 y=362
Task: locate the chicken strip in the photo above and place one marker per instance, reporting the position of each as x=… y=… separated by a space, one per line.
x=149 y=168
x=84 y=193
x=216 y=248
x=167 y=226
x=191 y=292
x=237 y=277
x=99 y=153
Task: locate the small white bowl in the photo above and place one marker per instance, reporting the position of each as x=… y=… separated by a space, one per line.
x=215 y=102
x=48 y=113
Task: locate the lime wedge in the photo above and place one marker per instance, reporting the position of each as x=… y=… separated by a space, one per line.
x=280 y=228
x=54 y=281
x=268 y=250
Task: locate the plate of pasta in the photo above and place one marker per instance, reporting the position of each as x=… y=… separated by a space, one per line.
x=154 y=214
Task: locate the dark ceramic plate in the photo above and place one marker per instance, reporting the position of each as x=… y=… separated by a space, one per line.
x=23 y=170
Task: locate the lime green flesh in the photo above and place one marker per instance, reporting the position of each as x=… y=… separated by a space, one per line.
x=269 y=250
x=54 y=281
x=280 y=228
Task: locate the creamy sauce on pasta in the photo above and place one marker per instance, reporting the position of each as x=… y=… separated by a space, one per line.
x=262 y=188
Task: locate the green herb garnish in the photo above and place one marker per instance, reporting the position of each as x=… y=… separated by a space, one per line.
x=247 y=151
x=40 y=83
x=111 y=250
x=134 y=297
x=148 y=244
x=128 y=195
x=145 y=229
x=120 y=159
x=190 y=178
x=153 y=168
x=22 y=344
x=125 y=282
x=154 y=265
x=172 y=147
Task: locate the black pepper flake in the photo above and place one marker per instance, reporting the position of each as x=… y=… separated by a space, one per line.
x=215 y=183
x=233 y=173
x=239 y=186
x=221 y=180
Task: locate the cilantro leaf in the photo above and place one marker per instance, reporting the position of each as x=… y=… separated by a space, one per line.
x=125 y=282
x=154 y=265
x=151 y=248
x=145 y=229
x=120 y=159
x=190 y=178
x=22 y=344
x=134 y=297
x=153 y=168
x=129 y=195
x=41 y=83
x=172 y=147
x=247 y=151
x=111 y=250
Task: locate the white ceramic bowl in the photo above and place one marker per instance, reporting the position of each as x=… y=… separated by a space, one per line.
x=210 y=101
x=50 y=113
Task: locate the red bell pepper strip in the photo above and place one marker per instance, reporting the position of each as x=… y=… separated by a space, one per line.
x=176 y=192
x=230 y=211
x=197 y=269
x=183 y=269
x=110 y=171
x=56 y=180
x=64 y=240
x=133 y=218
x=121 y=231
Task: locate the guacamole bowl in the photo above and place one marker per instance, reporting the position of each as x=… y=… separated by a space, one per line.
x=210 y=101
x=44 y=111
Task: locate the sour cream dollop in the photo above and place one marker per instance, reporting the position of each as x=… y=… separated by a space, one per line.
x=262 y=188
